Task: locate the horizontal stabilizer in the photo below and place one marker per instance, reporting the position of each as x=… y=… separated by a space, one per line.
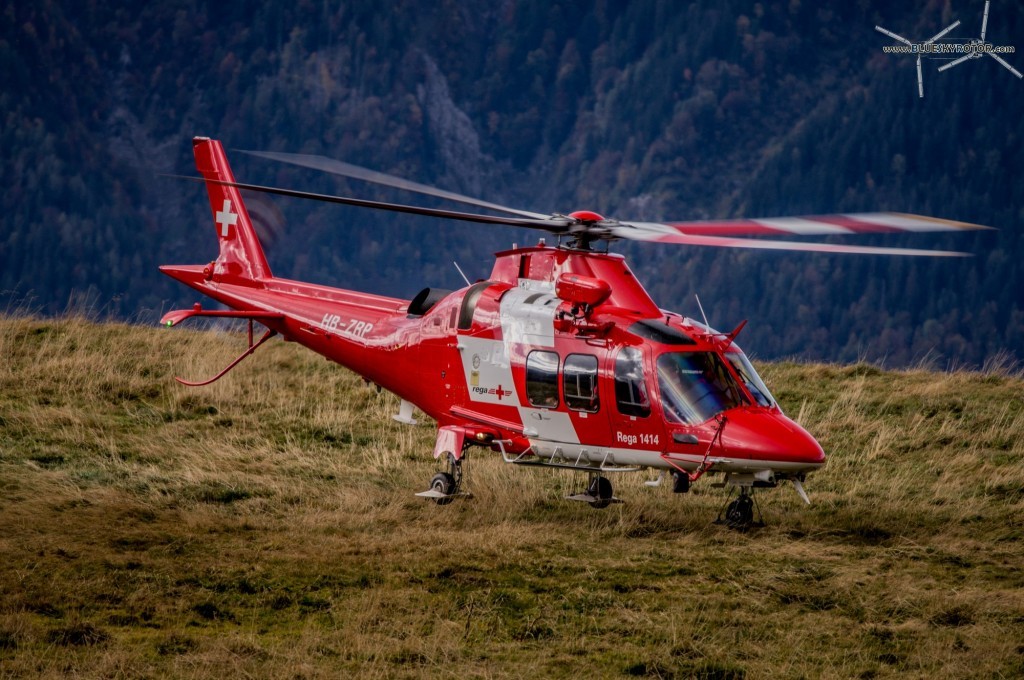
x=179 y=315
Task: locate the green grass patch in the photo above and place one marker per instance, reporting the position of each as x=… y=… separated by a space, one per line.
x=265 y=526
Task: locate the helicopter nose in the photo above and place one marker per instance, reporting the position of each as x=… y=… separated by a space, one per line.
x=771 y=436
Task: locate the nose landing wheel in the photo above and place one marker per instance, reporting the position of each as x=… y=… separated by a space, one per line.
x=739 y=513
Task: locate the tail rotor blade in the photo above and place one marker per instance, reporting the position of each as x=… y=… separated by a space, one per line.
x=920 y=78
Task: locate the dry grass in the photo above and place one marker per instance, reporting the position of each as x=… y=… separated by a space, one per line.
x=265 y=526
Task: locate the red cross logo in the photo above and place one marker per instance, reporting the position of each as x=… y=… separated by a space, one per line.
x=225 y=218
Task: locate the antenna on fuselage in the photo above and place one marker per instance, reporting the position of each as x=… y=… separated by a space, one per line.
x=461 y=273
x=701 y=307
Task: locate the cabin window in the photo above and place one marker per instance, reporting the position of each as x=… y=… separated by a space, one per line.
x=696 y=386
x=630 y=390
x=579 y=382
x=542 y=379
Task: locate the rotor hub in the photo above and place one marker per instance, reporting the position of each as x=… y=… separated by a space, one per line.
x=586 y=227
x=586 y=216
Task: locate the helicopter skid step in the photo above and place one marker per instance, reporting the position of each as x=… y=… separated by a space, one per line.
x=587 y=498
x=435 y=495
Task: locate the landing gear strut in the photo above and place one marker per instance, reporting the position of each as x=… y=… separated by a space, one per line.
x=739 y=513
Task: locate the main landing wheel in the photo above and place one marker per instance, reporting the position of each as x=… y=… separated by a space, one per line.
x=448 y=483
x=443 y=483
x=601 y=489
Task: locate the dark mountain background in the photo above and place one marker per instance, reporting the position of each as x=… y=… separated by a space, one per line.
x=648 y=109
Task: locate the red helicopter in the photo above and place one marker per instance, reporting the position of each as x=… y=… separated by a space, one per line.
x=559 y=359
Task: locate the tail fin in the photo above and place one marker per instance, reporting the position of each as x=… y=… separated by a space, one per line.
x=241 y=255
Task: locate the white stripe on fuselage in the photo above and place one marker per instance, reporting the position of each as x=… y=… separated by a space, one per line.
x=528 y=323
x=598 y=455
x=487 y=364
x=488 y=371
x=551 y=425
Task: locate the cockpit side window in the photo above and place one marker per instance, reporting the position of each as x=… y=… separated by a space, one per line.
x=752 y=381
x=630 y=390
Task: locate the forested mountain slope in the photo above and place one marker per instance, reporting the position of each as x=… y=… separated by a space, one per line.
x=651 y=109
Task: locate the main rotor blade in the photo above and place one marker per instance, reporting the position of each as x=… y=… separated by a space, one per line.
x=920 y=78
x=555 y=225
x=984 y=21
x=336 y=167
x=641 y=232
x=684 y=233
x=1004 y=63
x=955 y=62
x=943 y=32
x=816 y=225
x=893 y=35
x=723 y=233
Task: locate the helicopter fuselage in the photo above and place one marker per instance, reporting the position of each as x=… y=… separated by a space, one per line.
x=560 y=356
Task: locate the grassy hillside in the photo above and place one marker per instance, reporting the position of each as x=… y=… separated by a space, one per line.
x=265 y=526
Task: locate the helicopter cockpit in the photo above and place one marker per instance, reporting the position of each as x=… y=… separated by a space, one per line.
x=697 y=386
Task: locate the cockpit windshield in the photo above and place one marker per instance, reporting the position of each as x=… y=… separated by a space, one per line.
x=696 y=386
x=756 y=387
